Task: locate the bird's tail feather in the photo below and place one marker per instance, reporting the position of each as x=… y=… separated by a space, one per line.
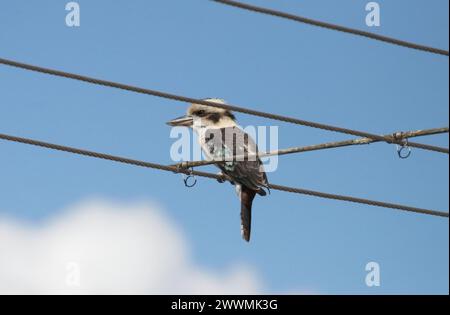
x=247 y=195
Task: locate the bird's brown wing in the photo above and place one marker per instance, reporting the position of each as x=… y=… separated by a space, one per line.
x=248 y=175
x=235 y=142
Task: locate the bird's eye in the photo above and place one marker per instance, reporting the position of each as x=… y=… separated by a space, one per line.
x=200 y=113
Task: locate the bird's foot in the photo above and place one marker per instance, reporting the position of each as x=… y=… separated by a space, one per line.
x=221 y=179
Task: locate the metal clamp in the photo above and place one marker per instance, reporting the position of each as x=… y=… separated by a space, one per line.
x=403 y=149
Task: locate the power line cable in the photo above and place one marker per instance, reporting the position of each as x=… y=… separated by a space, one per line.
x=217 y=105
x=334 y=27
x=322 y=146
x=175 y=169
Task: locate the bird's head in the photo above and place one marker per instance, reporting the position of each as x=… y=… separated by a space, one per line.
x=205 y=116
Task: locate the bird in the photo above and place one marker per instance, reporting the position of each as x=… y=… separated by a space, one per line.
x=221 y=138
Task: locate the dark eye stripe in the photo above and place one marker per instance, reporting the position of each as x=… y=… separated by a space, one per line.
x=215 y=117
x=200 y=113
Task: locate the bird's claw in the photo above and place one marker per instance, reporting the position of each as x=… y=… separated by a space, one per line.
x=221 y=178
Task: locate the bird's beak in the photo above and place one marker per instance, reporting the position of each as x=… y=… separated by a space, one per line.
x=184 y=121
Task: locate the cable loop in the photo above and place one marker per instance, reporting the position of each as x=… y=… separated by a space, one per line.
x=189 y=179
x=404 y=150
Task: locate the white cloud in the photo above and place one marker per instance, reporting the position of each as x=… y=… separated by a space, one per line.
x=100 y=247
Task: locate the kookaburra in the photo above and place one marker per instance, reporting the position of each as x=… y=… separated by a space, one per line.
x=222 y=139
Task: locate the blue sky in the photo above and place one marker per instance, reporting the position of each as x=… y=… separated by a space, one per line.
x=201 y=49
